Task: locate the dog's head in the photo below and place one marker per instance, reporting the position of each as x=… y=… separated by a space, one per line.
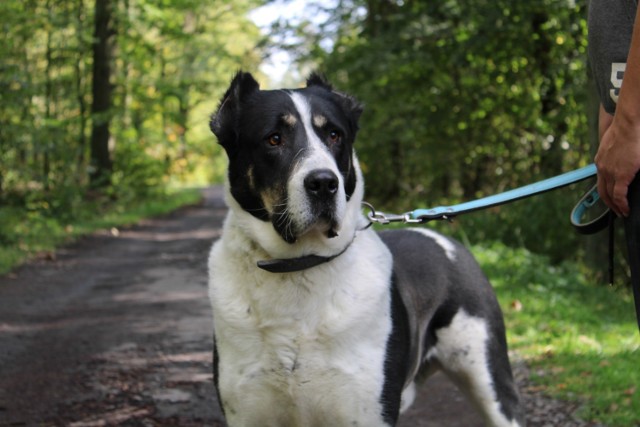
x=291 y=162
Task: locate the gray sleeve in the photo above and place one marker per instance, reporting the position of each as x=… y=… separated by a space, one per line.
x=610 y=30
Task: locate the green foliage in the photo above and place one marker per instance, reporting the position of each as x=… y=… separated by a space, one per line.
x=466 y=99
x=137 y=173
x=170 y=62
x=37 y=227
x=581 y=341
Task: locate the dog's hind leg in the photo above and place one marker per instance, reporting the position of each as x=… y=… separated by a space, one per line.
x=473 y=353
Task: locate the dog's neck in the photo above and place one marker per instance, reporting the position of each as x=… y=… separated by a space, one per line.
x=292 y=265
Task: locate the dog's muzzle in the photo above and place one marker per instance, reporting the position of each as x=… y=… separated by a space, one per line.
x=317 y=208
x=321 y=185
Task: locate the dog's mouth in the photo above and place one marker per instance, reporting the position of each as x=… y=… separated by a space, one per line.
x=291 y=228
x=328 y=225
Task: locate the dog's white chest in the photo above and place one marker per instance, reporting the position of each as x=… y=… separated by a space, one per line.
x=295 y=349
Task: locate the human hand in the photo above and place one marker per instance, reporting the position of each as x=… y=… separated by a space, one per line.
x=618 y=162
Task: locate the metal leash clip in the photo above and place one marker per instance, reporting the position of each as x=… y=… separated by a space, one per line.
x=382 y=218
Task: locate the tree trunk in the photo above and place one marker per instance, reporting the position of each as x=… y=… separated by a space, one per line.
x=79 y=81
x=101 y=164
x=48 y=87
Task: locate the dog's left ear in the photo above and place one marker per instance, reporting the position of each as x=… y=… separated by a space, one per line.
x=349 y=103
x=224 y=121
x=317 y=79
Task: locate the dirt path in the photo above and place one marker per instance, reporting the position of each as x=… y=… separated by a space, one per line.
x=116 y=330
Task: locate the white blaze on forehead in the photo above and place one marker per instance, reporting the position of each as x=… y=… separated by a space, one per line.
x=304 y=110
x=316 y=147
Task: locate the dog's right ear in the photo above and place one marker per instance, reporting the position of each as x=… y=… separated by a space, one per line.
x=224 y=121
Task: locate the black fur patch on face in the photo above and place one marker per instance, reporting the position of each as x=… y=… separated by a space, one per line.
x=263 y=135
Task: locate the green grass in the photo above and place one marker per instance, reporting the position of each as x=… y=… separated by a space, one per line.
x=580 y=338
x=33 y=229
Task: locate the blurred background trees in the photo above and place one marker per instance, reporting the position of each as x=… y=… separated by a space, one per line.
x=467 y=99
x=113 y=93
x=462 y=99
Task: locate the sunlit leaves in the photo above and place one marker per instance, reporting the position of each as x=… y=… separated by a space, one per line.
x=171 y=61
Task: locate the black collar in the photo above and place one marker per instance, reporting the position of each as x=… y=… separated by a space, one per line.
x=290 y=265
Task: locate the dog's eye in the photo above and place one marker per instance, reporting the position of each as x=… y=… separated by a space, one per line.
x=335 y=136
x=274 y=139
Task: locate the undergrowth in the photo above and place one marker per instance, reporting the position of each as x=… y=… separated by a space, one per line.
x=37 y=226
x=581 y=339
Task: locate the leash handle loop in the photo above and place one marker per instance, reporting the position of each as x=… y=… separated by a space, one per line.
x=588 y=200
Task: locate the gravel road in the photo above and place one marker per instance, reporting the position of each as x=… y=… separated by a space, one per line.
x=115 y=329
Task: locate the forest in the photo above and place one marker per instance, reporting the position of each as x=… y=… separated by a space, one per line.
x=105 y=104
x=111 y=98
x=467 y=99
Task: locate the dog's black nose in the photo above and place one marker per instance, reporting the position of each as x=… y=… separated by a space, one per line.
x=321 y=183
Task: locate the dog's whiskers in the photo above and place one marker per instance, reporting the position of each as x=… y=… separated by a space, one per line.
x=281 y=205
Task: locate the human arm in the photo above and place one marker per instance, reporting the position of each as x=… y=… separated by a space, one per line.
x=618 y=157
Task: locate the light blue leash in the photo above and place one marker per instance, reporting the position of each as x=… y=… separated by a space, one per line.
x=449 y=212
x=587 y=201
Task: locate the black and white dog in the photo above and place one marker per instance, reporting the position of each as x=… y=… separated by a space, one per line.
x=318 y=320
